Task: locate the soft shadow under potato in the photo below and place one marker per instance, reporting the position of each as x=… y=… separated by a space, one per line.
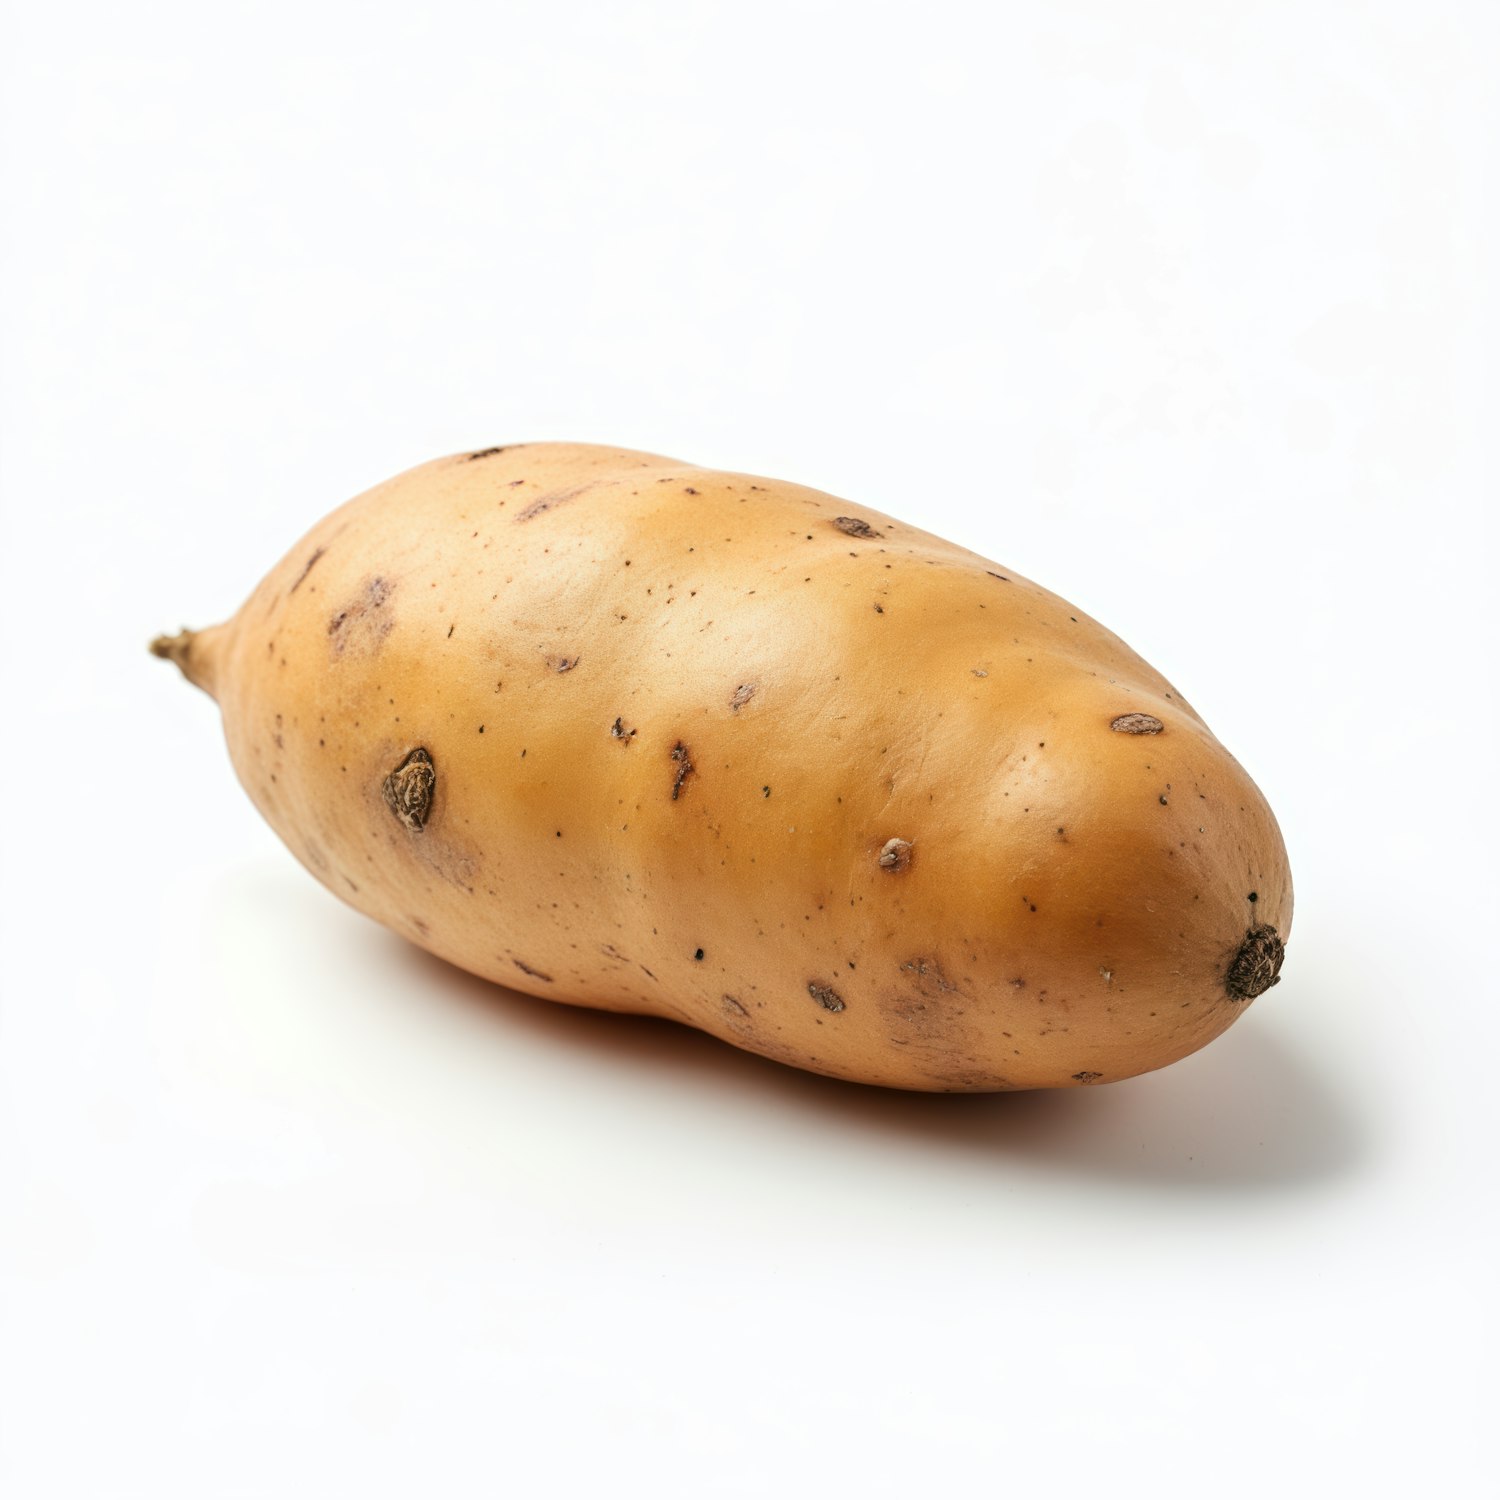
x=1248 y=1114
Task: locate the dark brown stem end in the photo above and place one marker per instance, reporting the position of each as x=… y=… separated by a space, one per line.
x=190 y=660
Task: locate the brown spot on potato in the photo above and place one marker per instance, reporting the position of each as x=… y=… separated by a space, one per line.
x=895 y=856
x=735 y=1007
x=927 y=974
x=742 y=695
x=927 y=1015
x=853 y=526
x=683 y=760
x=526 y=969
x=560 y=664
x=483 y=453
x=1087 y=1077
x=307 y=568
x=826 y=996
x=620 y=732
x=409 y=789
x=1256 y=964
x=551 y=500
x=1137 y=724
x=364 y=621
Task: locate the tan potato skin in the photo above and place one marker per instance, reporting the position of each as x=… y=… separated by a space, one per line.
x=573 y=633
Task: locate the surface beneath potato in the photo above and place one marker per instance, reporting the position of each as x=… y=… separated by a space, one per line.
x=627 y=733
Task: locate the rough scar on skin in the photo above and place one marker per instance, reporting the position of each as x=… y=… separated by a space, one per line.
x=408 y=789
x=853 y=526
x=363 y=623
x=928 y=976
x=1137 y=724
x=563 y=663
x=826 y=996
x=683 y=761
x=1256 y=964
x=311 y=564
x=484 y=453
x=551 y=500
x=895 y=856
x=1087 y=1077
x=534 y=973
x=620 y=732
x=742 y=695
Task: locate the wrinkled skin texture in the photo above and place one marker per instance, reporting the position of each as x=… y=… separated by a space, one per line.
x=674 y=720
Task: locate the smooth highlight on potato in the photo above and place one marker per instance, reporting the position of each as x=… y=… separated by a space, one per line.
x=627 y=733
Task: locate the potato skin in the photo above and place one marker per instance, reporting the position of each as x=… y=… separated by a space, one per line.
x=627 y=733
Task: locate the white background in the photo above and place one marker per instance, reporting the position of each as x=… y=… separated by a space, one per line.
x=1184 y=310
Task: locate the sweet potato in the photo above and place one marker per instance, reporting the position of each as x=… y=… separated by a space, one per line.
x=623 y=732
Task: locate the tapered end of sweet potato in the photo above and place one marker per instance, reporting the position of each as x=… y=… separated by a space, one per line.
x=186 y=649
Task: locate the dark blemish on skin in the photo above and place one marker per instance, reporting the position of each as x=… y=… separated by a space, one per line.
x=853 y=526
x=409 y=788
x=481 y=729
x=561 y=664
x=683 y=760
x=1000 y=576
x=742 y=695
x=1087 y=1077
x=698 y=955
x=688 y=490
x=879 y=609
x=1256 y=964
x=1162 y=800
x=449 y=636
x=364 y=621
x=1137 y=724
x=1254 y=895
x=311 y=562
x=979 y=672
x=534 y=973
x=620 y=732
x=551 y=500
x=895 y=856
x=765 y=791
x=826 y=996
x=929 y=976
x=735 y=1007
x=483 y=453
